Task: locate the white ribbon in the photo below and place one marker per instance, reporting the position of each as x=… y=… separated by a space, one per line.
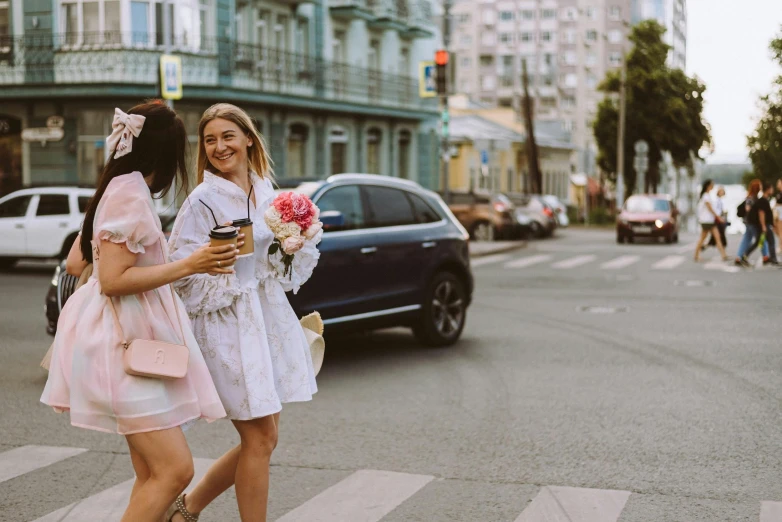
x=125 y=128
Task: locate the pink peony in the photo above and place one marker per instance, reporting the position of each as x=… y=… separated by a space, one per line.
x=302 y=210
x=292 y=244
x=284 y=205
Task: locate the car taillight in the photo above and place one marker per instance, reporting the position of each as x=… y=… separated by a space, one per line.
x=501 y=207
x=548 y=212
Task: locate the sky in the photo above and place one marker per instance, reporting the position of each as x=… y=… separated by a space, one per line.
x=727 y=47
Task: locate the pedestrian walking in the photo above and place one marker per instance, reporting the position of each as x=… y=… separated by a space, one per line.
x=719 y=206
x=708 y=218
x=251 y=338
x=100 y=369
x=769 y=249
x=754 y=217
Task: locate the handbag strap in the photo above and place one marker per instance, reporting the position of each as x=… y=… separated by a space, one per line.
x=125 y=342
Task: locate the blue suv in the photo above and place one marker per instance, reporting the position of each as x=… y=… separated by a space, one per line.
x=392 y=254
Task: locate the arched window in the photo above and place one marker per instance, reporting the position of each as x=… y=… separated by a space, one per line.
x=405 y=140
x=10 y=154
x=296 y=160
x=338 y=142
x=374 y=139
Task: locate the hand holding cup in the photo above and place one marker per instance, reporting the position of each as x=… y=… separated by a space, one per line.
x=213 y=259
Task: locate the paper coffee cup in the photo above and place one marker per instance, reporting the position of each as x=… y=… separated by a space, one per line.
x=223 y=235
x=245 y=226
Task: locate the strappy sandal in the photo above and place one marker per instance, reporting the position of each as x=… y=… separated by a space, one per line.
x=179 y=507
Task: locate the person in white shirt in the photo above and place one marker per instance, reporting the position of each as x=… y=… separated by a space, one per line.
x=719 y=207
x=709 y=220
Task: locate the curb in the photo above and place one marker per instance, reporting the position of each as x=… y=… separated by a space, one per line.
x=516 y=245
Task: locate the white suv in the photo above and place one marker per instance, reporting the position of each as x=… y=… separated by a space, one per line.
x=40 y=222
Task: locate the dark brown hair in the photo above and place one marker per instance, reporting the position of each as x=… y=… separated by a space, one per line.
x=159 y=149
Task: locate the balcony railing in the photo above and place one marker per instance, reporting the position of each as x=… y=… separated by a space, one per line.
x=132 y=59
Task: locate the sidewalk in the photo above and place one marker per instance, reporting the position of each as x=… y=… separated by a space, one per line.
x=487 y=248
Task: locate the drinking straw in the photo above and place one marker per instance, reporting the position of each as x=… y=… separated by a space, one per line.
x=248 y=201
x=210 y=210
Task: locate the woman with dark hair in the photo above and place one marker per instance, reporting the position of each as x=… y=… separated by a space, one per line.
x=128 y=297
x=709 y=220
x=753 y=218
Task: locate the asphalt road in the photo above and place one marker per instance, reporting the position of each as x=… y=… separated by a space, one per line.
x=661 y=402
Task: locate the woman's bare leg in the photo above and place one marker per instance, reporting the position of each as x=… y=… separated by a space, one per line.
x=259 y=438
x=718 y=239
x=140 y=468
x=704 y=234
x=170 y=464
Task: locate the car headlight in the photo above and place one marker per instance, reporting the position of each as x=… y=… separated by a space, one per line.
x=660 y=222
x=56 y=277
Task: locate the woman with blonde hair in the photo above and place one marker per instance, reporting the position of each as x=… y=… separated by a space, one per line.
x=252 y=341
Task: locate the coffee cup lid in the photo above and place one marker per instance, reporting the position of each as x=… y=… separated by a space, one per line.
x=242 y=222
x=224 y=232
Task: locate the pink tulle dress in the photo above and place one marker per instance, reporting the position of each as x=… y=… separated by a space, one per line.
x=86 y=376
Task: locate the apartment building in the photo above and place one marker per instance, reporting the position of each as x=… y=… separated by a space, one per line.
x=332 y=84
x=672 y=14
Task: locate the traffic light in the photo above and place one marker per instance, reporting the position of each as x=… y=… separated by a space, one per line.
x=441 y=61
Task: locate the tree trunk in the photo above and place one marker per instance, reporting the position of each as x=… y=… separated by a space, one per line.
x=532 y=147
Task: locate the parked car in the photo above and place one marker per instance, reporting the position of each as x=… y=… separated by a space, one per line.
x=560 y=210
x=544 y=221
x=63 y=284
x=392 y=254
x=40 y=222
x=650 y=216
x=486 y=216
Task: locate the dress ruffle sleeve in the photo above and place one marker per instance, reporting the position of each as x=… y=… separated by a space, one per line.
x=125 y=215
x=304 y=262
x=201 y=293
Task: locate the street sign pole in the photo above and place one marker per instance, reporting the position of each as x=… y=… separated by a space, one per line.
x=641 y=164
x=446 y=149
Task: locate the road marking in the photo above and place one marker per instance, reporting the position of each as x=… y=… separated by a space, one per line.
x=109 y=504
x=524 y=262
x=25 y=459
x=685 y=248
x=620 y=262
x=720 y=265
x=364 y=496
x=770 y=511
x=487 y=260
x=574 y=262
x=668 y=262
x=562 y=504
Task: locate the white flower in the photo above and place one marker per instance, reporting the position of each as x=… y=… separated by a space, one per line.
x=286 y=230
x=273 y=219
x=313 y=230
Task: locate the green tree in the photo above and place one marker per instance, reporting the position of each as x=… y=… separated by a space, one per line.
x=765 y=144
x=664 y=107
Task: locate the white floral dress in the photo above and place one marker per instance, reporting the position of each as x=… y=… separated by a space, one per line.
x=249 y=335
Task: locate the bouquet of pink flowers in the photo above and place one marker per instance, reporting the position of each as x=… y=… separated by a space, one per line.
x=293 y=219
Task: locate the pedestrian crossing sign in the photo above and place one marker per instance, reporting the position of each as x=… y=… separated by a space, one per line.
x=427 y=87
x=170 y=77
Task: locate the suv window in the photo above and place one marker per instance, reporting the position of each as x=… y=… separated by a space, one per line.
x=15 y=207
x=347 y=200
x=53 y=205
x=423 y=212
x=389 y=207
x=84 y=202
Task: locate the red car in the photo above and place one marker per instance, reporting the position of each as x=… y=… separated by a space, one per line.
x=648 y=215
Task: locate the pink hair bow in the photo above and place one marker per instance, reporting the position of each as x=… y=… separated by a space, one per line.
x=126 y=127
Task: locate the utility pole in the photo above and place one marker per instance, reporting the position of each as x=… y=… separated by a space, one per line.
x=167 y=37
x=532 y=147
x=445 y=154
x=620 y=147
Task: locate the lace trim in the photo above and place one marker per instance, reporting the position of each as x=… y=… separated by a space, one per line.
x=118 y=237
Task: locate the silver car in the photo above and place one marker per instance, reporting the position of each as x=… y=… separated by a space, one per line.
x=559 y=209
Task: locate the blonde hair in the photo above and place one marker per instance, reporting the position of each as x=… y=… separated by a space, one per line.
x=258 y=156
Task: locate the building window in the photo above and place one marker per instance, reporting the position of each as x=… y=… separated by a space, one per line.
x=569 y=58
x=615 y=13
x=568 y=102
x=615 y=36
x=90 y=22
x=528 y=14
x=570 y=14
x=374 y=140
x=569 y=36
x=465 y=62
x=465 y=40
x=296 y=158
x=591 y=59
x=591 y=35
x=527 y=37
x=303 y=36
x=405 y=141
x=591 y=13
x=5 y=20
x=615 y=59
x=463 y=18
x=591 y=81
x=486 y=60
x=571 y=80
x=506 y=38
x=506 y=81
x=547 y=14
x=404 y=62
x=338 y=47
x=488 y=17
x=547 y=36
x=506 y=16
x=338 y=140
x=488 y=83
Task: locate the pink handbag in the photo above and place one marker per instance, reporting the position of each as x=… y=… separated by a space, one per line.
x=156 y=359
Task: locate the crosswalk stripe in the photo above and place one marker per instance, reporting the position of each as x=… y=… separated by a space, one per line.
x=574 y=261
x=668 y=262
x=524 y=262
x=364 y=496
x=487 y=260
x=25 y=459
x=109 y=504
x=620 y=262
x=770 y=511
x=685 y=248
x=563 y=504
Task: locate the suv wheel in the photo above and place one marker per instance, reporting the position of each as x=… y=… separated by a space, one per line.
x=483 y=231
x=444 y=311
x=7 y=262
